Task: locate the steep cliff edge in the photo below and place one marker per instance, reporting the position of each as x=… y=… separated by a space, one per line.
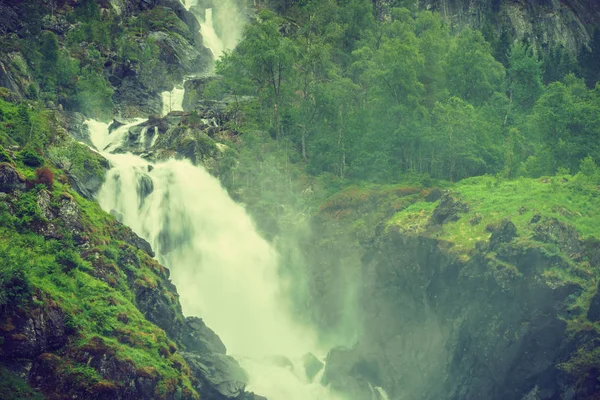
x=484 y=293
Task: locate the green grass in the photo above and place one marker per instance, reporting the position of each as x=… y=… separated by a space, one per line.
x=562 y=197
x=14 y=388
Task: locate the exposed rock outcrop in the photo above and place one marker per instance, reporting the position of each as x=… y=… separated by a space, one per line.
x=438 y=327
x=545 y=24
x=10 y=179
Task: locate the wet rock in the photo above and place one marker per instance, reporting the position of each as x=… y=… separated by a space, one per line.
x=7 y=80
x=145 y=186
x=220 y=376
x=312 y=365
x=347 y=371
x=133 y=99
x=449 y=209
x=200 y=339
x=504 y=233
x=86 y=189
x=114 y=125
x=74 y=124
x=118 y=215
x=10 y=179
x=69 y=214
x=157 y=308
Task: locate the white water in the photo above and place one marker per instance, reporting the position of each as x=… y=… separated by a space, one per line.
x=173 y=100
x=211 y=39
x=230 y=19
x=225 y=272
x=382 y=393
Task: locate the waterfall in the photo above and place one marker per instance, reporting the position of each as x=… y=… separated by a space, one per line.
x=173 y=100
x=229 y=18
x=225 y=272
x=211 y=39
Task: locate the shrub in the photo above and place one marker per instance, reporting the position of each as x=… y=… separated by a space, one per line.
x=44 y=177
x=68 y=259
x=31 y=158
x=14 y=284
x=4 y=156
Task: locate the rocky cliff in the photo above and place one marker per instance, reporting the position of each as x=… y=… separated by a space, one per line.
x=86 y=312
x=458 y=304
x=544 y=23
x=145 y=47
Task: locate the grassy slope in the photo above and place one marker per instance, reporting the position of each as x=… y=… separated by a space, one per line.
x=93 y=285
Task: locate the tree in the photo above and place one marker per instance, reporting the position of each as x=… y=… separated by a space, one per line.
x=524 y=76
x=49 y=59
x=588 y=60
x=264 y=57
x=566 y=121
x=458 y=140
x=472 y=72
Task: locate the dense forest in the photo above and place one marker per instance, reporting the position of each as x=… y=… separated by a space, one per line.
x=380 y=100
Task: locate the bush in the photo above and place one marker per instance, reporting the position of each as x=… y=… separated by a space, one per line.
x=14 y=284
x=31 y=158
x=44 y=177
x=69 y=260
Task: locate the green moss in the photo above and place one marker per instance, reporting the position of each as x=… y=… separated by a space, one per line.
x=92 y=287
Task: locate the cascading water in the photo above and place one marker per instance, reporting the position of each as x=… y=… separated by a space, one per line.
x=173 y=100
x=211 y=39
x=225 y=271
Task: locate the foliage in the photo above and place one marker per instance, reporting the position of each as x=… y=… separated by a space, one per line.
x=31 y=158
x=94 y=95
x=375 y=100
x=45 y=177
x=18 y=388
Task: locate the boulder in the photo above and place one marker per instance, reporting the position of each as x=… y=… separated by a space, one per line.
x=200 y=339
x=312 y=365
x=69 y=214
x=38 y=331
x=10 y=179
x=220 y=376
x=505 y=233
x=449 y=209
x=553 y=231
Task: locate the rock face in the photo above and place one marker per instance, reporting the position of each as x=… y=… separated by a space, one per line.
x=10 y=179
x=544 y=23
x=40 y=342
x=438 y=327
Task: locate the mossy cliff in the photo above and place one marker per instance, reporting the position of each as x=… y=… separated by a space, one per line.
x=99 y=57
x=86 y=311
x=486 y=292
